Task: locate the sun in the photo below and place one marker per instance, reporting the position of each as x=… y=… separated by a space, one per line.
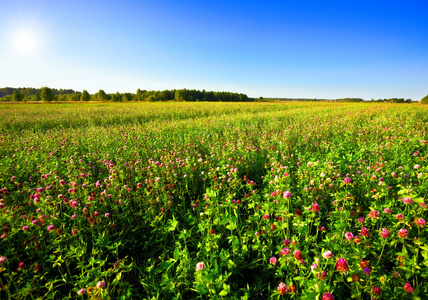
x=25 y=41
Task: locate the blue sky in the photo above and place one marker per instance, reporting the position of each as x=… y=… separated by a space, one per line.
x=314 y=49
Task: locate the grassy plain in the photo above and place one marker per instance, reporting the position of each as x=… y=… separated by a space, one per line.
x=126 y=200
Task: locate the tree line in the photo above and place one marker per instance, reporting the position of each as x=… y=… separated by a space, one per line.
x=46 y=94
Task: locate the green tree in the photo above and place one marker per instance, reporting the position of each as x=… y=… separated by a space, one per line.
x=102 y=96
x=85 y=96
x=138 y=95
x=73 y=97
x=46 y=94
x=116 y=97
x=178 y=95
x=424 y=100
x=16 y=96
x=36 y=96
x=62 y=97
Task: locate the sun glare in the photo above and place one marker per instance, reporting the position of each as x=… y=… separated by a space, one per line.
x=25 y=42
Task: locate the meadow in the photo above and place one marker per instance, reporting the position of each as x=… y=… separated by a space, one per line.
x=213 y=200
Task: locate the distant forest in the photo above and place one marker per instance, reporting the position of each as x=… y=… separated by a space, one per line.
x=46 y=94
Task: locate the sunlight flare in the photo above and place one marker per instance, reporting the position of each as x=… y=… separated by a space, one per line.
x=25 y=41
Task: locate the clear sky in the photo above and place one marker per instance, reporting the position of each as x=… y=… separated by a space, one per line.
x=316 y=49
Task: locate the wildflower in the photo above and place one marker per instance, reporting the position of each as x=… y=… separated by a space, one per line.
x=314 y=266
x=74 y=231
x=315 y=207
x=399 y=216
x=81 y=291
x=298 y=255
x=357 y=239
x=367 y=270
x=349 y=236
x=347 y=180
x=327 y=296
x=51 y=227
x=327 y=254
x=364 y=263
x=396 y=274
x=101 y=284
x=285 y=251
x=360 y=220
x=21 y=265
x=403 y=233
x=200 y=266
x=384 y=233
x=266 y=216
x=407 y=200
x=73 y=216
x=3 y=260
x=408 y=288
x=37 y=268
x=376 y=290
x=373 y=214
x=322 y=275
x=355 y=277
x=282 y=288
x=420 y=222
x=387 y=210
x=286 y=242
x=292 y=289
x=273 y=260
x=25 y=228
x=342 y=265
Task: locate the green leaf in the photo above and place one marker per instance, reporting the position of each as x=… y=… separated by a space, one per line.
x=418 y=200
x=222 y=293
x=176 y=254
x=172 y=224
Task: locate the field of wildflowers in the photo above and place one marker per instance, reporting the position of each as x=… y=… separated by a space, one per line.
x=214 y=200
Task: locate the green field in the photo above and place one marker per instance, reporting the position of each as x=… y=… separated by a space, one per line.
x=126 y=200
